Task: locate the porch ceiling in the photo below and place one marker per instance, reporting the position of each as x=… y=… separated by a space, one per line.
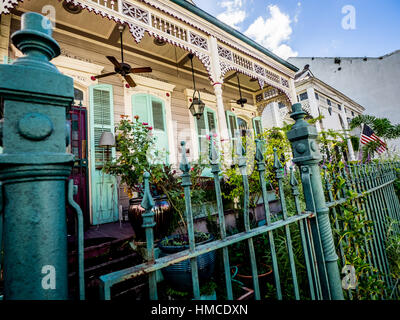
x=95 y=27
x=89 y=25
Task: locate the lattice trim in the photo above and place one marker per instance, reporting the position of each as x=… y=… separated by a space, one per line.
x=136 y=31
x=231 y=44
x=225 y=67
x=6 y=5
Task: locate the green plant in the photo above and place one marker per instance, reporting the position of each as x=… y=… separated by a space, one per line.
x=206 y=289
x=137 y=153
x=393 y=247
x=353 y=231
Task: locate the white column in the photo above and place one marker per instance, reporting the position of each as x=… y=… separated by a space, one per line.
x=292 y=87
x=216 y=72
x=346 y=127
x=278 y=121
x=313 y=106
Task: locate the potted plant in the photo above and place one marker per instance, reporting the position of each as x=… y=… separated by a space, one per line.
x=136 y=154
x=179 y=274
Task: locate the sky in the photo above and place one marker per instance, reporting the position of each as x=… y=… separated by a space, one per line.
x=314 y=28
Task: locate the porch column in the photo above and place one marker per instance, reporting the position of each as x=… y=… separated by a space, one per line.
x=223 y=127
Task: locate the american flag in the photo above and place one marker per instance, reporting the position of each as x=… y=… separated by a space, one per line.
x=368 y=135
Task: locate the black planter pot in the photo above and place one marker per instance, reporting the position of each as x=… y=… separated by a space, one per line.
x=162 y=218
x=179 y=274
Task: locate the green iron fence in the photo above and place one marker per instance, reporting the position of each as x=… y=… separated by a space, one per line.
x=329 y=199
x=298 y=218
x=365 y=212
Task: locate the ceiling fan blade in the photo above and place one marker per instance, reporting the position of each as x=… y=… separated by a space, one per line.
x=114 y=61
x=141 y=70
x=105 y=75
x=130 y=81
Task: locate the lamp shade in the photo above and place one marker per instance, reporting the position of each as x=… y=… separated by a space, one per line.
x=107 y=139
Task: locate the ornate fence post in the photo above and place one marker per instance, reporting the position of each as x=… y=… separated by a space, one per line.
x=186 y=183
x=35 y=166
x=148 y=225
x=306 y=155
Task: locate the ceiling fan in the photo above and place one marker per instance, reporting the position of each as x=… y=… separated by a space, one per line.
x=122 y=68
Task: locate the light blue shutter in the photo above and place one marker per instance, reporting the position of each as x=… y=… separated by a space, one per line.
x=140 y=107
x=159 y=126
x=104 y=200
x=206 y=126
x=233 y=125
x=151 y=111
x=7 y=60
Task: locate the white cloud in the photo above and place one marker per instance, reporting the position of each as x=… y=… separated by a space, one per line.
x=273 y=31
x=233 y=14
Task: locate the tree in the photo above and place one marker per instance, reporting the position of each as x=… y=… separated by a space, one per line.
x=382 y=127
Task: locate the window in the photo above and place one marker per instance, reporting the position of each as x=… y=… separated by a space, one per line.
x=206 y=126
x=328 y=102
x=257 y=126
x=352 y=113
x=303 y=96
x=150 y=109
x=316 y=96
x=242 y=126
x=339 y=106
x=281 y=105
x=233 y=125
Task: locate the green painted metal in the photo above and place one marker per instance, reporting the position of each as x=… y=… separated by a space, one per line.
x=313 y=281
x=315 y=230
x=110 y=279
x=34 y=166
x=214 y=21
x=306 y=156
x=215 y=169
x=148 y=224
x=261 y=169
x=242 y=164
x=186 y=183
x=72 y=190
x=374 y=193
x=279 y=176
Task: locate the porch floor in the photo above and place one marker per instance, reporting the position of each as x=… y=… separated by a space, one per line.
x=117 y=230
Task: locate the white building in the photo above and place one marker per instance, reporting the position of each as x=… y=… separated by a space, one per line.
x=317 y=98
x=373 y=82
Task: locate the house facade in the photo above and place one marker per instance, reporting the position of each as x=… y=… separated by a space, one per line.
x=159 y=34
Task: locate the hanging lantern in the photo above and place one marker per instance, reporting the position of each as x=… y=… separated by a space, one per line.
x=240 y=101
x=197 y=106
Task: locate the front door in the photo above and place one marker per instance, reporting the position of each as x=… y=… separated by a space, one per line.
x=104 y=194
x=77 y=117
